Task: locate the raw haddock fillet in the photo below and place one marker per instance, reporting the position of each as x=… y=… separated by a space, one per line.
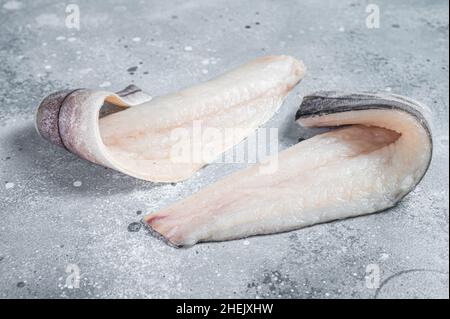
x=139 y=140
x=379 y=155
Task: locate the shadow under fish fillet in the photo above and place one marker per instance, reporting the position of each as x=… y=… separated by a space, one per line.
x=139 y=140
x=378 y=154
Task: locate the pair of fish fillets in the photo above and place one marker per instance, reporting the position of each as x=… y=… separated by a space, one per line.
x=379 y=151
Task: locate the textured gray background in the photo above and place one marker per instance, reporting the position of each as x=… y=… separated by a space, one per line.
x=47 y=223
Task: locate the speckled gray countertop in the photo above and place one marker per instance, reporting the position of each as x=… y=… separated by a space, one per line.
x=60 y=213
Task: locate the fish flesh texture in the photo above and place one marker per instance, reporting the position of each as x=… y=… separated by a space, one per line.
x=378 y=151
x=139 y=139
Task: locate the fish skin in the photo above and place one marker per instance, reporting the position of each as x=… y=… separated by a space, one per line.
x=327 y=102
x=47 y=116
x=358 y=169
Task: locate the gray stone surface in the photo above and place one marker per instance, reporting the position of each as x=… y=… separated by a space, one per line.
x=49 y=222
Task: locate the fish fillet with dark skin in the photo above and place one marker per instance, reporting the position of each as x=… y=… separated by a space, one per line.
x=139 y=139
x=379 y=151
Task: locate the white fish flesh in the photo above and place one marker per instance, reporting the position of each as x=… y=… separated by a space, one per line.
x=378 y=154
x=138 y=140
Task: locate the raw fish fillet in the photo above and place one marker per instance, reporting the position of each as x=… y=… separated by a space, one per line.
x=139 y=139
x=378 y=153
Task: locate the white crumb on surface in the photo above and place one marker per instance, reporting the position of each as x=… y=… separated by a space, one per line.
x=77 y=183
x=384 y=256
x=9 y=185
